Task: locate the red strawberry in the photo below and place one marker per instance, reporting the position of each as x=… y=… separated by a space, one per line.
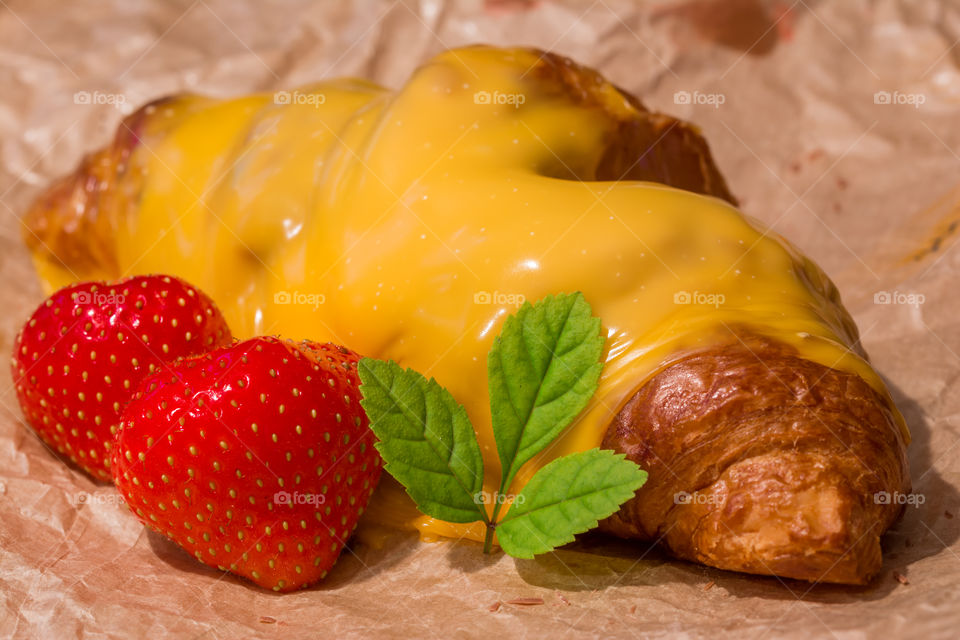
x=256 y=458
x=80 y=357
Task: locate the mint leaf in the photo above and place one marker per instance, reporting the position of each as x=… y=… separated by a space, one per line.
x=542 y=370
x=567 y=496
x=426 y=440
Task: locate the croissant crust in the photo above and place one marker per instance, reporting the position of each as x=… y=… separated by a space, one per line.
x=763 y=462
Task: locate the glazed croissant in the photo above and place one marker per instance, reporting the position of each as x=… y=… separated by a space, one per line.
x=408 y=224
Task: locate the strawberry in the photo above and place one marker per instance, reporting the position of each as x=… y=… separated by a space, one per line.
x=83 y=352
x=256 y=458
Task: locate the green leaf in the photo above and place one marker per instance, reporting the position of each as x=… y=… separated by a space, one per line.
x=542 y=370
x=567 y=496
x=426 y=440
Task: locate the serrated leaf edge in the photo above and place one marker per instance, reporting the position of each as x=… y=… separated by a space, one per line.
x=431 y=385
x=569 y=537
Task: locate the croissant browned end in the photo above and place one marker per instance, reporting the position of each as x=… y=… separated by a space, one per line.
x=416 y=220
x=762 y=461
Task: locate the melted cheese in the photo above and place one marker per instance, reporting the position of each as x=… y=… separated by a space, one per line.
x=408 y=225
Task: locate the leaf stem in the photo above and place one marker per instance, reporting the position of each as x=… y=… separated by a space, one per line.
x=492 y=523
x=488 y=539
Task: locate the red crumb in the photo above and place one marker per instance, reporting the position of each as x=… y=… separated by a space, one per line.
x=783 y=17
x=267 y=620
x=899 y=577
x=709 y=585
x=526 y=602
x=494 y=607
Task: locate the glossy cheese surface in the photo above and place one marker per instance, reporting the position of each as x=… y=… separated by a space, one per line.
x=408 y=224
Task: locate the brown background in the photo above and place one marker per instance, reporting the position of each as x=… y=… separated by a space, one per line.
x=868 y=190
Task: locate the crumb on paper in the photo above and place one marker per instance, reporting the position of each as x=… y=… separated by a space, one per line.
x=633 y=609
x=709 y=585
x=494 y=607
x=785 y=18
x=899 y=577
x=563 y=599
x=948 y=515
x=526 y=602
x=267 y=619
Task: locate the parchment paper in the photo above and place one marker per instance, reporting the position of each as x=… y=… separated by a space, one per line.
x=865 y=185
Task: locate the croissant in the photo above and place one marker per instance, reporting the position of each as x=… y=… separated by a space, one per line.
x=408 y=224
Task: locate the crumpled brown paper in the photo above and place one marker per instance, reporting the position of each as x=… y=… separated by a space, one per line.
x=835 y=124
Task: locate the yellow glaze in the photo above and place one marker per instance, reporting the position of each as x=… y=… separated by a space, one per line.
x=407 y=226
